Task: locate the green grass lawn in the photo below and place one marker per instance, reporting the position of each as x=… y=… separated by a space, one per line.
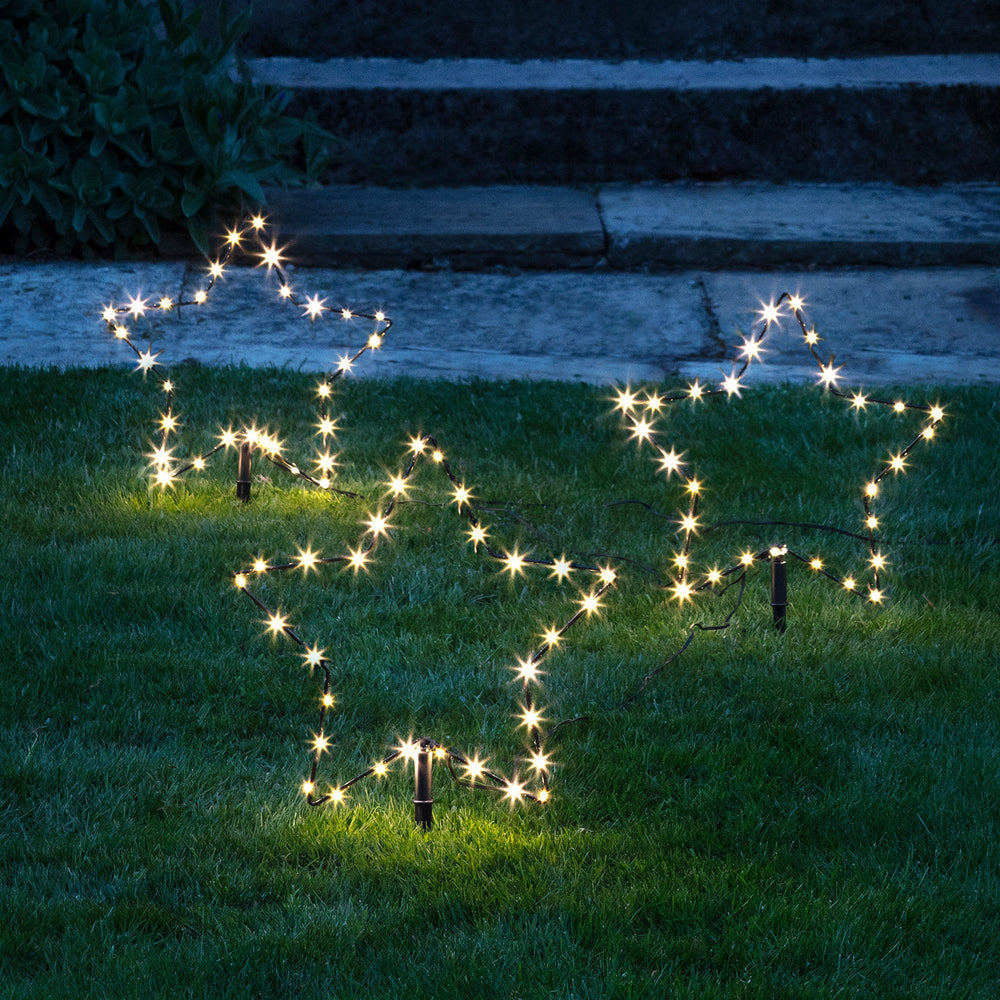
x=813 y=814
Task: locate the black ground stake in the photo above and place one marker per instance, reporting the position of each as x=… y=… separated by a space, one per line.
x=423 y=801
x=779 y=588
x=243 y=473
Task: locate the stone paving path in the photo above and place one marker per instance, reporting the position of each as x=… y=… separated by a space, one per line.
x=884 y=325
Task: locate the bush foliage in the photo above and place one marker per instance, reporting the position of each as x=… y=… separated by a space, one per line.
x=117 y=118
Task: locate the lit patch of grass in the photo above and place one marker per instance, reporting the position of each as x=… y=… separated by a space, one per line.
x=801 y=815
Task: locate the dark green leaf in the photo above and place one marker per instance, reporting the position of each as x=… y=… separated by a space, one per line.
x=80 y=214
x=41 y=104
x=131 y=145
x=199 y=232
x=152 y=225
x=192 y=201
x=7 y=198
x=118 y=207
x=197 y=135
x=40 y=129
x=244 y=181
x=104 y=227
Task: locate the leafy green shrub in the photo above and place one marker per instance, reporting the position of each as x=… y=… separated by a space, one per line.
x=117 y=118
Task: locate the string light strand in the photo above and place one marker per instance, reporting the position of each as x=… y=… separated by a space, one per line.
x=642 y=411
x=528 y=669
x=251 y=230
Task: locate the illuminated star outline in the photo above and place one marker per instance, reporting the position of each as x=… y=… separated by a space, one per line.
x=642 y=411
x=475 y=774
x=252 y=229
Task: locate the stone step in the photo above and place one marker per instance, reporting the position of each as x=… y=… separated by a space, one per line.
x=902 y=119
x=640 y=227
x=596 y=29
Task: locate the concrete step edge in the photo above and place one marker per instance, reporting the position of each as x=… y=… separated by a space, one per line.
x=644 y=226
x=778 y=73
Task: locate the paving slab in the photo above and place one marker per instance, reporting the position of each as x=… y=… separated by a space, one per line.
x=883 y=326
x=50 y=312
x=772 y=225
x=602 y=328
x=469 y=227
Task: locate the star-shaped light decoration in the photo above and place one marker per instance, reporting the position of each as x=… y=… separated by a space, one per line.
x=166 y=469
x=531 y=715
x=640 y=414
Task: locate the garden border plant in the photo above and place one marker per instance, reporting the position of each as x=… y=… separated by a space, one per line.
x=119 y=120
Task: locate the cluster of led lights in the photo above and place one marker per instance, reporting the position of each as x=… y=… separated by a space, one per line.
x=530 y=777
x=166 y=467
x=533 y=783
x=643 y=411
